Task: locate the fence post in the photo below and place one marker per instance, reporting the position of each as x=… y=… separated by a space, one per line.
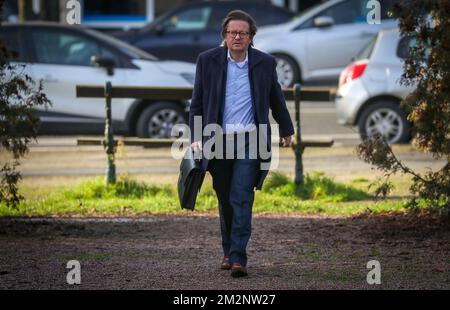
x=298 y=146
x=108 y=142
x=25 y=10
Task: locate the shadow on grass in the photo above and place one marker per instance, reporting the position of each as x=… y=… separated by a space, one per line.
x=316 y=187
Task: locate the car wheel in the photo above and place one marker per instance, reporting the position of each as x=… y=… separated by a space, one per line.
x=287 y=70
x=386 y=118
x=157 y=120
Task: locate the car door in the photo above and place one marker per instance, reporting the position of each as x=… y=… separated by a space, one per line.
x=62 y=60
x=329 y=49
x=180 y=36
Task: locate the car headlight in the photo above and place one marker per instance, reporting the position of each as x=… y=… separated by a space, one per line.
x=188 y=77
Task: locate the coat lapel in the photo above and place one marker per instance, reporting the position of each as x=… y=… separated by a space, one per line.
x=253 y=58
x=220 y=58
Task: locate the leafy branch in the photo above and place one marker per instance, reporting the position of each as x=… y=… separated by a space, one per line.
x=19 y=124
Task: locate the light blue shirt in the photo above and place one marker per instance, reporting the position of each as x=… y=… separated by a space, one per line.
x=238 y=114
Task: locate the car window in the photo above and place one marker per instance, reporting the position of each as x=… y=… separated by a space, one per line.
x=10 y=38
x=263 y=17
x=62 y=48
x=106 y=52
x=386 y=9
x=342 y=13
x=102 y=8
x=191 y=19
x=127 y=49
x=263 y=14
x=404 y=47
x=351 y=11
x=347 y=12
x=366 y=52
x=217 y=16
x=279 y=17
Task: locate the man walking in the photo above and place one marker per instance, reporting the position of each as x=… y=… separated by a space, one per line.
x=235 y=85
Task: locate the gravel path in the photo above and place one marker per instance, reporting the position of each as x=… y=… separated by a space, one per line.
x=183 y=252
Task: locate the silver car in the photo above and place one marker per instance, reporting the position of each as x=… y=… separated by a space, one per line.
x=63 y=56
x=319 y=43
x=369 y=92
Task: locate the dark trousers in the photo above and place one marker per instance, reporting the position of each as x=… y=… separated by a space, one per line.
x=234 y=181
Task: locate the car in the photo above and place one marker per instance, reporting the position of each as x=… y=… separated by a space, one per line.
x=369 y=92
x=64 y=56
x=320 y=42
x=184 y=32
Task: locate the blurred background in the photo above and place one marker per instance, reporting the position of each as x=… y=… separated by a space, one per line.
x=351 y=45
x=119 y=14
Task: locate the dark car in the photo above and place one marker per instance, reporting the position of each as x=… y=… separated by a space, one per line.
x=184 y=32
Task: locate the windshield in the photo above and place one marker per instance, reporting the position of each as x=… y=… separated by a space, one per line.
x=156 y=21
x=129 y=50
x=311 y=8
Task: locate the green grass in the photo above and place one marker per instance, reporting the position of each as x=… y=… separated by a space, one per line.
x=318 y=195
x=316 y=187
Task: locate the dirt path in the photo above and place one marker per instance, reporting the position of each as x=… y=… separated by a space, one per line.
x=183 y=252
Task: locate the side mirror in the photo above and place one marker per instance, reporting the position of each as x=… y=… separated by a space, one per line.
x=104 y=62
x=323 y=21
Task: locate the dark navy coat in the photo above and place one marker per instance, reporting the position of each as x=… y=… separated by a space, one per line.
x=209 y=93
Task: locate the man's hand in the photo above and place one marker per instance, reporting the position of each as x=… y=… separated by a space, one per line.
x=195 y=146
x=286 y=141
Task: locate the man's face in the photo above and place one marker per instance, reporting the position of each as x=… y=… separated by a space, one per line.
x=242 y=40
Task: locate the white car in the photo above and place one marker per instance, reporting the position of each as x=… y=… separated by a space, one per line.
x=65 y=56
x=369 y=92
x=319 y=43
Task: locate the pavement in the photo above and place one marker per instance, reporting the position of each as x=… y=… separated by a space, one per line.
x=62 y=157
